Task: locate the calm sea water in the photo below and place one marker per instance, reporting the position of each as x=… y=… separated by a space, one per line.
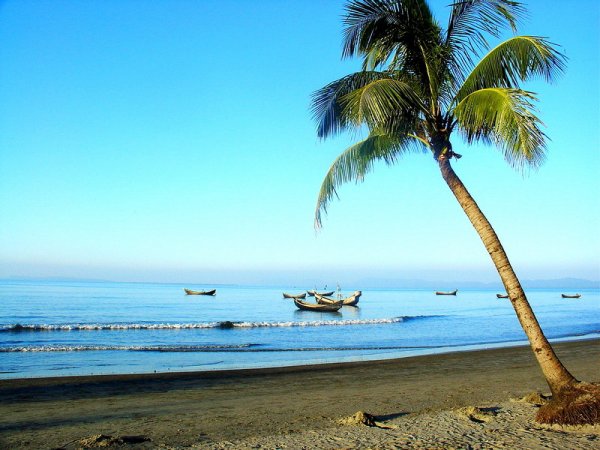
x=60 y=328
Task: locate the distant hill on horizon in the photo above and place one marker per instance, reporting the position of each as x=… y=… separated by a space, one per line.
x=559 y=283
x=365 y=283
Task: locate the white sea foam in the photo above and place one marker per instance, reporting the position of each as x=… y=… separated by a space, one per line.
x=201 y=325
x=135 y=348
x=244 y=348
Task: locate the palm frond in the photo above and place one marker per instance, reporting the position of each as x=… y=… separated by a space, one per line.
x=379 y=55
x=325 y=105
x=439 y=77
x=388 y=26
x=356 y=161
x=378 y=102
x=517 y=59
x=469 y=24
x=505 y=117
x=364 y=20
x=471 y=20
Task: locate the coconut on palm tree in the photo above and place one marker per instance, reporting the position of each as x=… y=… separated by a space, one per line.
x=419 y=84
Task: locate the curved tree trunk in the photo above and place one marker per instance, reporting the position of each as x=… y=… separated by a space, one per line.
x=557 y=376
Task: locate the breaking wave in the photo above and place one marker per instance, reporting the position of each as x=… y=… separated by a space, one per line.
x=131 y=348
x=243 y=348
x=201 y=325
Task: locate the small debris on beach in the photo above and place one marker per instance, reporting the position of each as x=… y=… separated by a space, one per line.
x=535 y=398
x=105 y=440
x=475 y=414
x=362 y=418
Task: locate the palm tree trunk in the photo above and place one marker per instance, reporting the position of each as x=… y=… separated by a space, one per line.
x=557 y=376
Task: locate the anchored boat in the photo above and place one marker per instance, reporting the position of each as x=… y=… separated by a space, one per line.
x=190 y=292
x=446 y=293
x=348 y=301
x=285 y=295
x=317 y=307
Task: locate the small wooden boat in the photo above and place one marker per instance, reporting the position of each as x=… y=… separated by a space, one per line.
x=348 y=301
x=294 y=296
x=324 y=294
x=190 y=292
x=446 y=293
x=571 y=296
x=502 y=295
x=317 y=307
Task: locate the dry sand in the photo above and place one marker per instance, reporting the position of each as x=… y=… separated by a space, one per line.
x=419 y=402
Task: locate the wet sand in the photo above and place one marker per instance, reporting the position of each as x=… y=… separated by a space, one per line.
x=417 y=398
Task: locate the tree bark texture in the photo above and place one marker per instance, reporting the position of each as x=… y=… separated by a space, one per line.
x=555 y=373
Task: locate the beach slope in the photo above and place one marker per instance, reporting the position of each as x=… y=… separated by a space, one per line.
x=417 y=401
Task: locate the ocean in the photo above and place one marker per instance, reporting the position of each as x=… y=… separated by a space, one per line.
x=56 y=328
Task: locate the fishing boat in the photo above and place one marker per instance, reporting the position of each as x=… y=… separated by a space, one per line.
x=190 y=292
x=446 y=293
x=502 y=295
x=348 y=301
x=323 y=294
x=317 y=307
x=303 y=295
x=571 y=296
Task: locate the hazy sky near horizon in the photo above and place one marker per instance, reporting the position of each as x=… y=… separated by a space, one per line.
x=173 y=141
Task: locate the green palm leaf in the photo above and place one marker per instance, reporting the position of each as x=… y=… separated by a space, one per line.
x=389 y=27
x=505 y=118
x=517 y=59
x=326 y=108
x=356 y=161
x=368 y=22
x=471 y=20
x=378 y=102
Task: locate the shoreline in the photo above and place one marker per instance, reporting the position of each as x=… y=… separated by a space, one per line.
x=207 y=409
x=331 y=361
x=276 y=369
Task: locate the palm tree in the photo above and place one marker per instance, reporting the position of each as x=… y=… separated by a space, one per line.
x=419 y=83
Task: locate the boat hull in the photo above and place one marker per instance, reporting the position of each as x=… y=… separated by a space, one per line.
x=317 y=307
x=348 y=301
x=326 y=294
x=191 y=292
x=300 y=296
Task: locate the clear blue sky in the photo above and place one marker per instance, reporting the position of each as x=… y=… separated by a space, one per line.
x=172 y=141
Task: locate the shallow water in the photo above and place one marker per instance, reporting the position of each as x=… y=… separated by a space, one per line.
x=75 y=328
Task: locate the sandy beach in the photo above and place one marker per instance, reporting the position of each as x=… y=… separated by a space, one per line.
x=418 y=402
